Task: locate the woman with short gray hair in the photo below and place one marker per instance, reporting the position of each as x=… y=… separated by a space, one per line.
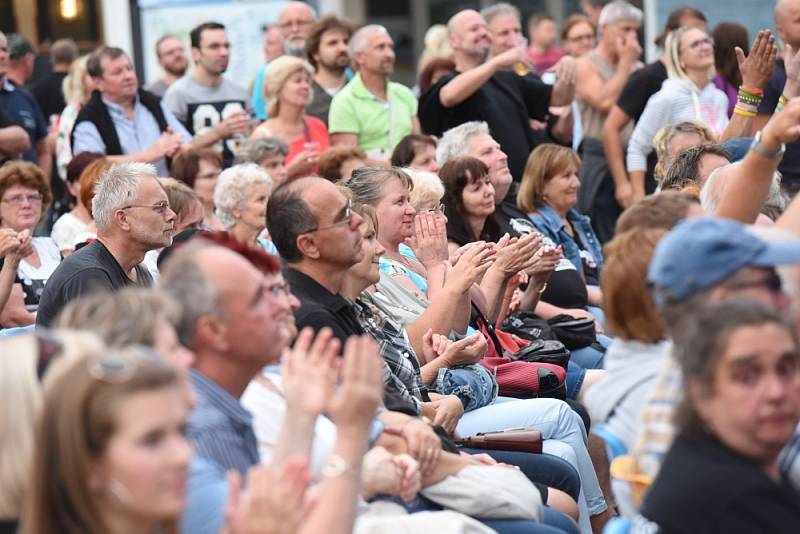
x=268 y=153
x=240 y=200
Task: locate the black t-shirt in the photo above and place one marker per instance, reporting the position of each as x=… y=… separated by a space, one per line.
x=642 y=84
x=320 y=308
x=565 y=288
x=505 y=102
x=790 y=164
x=49 y=95
x=92 y=268
x=706 y=488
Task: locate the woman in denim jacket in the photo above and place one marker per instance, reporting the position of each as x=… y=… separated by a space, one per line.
x=548 y=193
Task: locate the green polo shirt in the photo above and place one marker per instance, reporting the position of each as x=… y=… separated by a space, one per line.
x=355 y=110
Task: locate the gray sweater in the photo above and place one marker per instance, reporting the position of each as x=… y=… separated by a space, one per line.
x=677 y=101
x=631 y=371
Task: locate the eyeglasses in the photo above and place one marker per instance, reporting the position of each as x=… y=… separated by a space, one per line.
x=772 y=282
x=348 y=216
x=161 y=208
x=583 y=37
x=16 y=200
x=300 y=23
x=279 y=289
x=700 y=42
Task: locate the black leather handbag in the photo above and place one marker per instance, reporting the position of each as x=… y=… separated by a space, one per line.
x=543 y=351
x=574 y=332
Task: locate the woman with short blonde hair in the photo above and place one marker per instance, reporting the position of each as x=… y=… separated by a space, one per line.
x=288 y=92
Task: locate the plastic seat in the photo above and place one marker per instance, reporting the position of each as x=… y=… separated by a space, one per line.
x=614 y=446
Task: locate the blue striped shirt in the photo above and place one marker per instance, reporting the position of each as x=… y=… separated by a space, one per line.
x=220 y=428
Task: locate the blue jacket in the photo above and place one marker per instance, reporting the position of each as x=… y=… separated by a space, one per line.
x=550 y=224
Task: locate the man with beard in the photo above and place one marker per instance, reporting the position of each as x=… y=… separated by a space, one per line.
x=172 y=59
x=122 y=121
x=326 y=48
x=372 y=111
x=211 y=107
x=295 y=21
x=132 y=215
x=481 y=90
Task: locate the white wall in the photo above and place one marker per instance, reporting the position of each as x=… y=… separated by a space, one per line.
x=117 y=24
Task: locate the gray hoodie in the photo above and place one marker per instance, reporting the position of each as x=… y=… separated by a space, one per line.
x=677 y=101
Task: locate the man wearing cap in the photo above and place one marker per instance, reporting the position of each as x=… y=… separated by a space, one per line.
x=702 y=260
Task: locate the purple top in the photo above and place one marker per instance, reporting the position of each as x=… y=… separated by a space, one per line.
x=730 y=90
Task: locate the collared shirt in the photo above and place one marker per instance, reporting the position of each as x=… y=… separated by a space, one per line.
x=21 y=108
x=551 y=225
x=379 y=124
x=220 y=428
x=320 y=308
x=134 y=135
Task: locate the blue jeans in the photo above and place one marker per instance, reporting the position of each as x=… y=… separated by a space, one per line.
x=553 y=522
x=473 y=384
x=564 y=436
x=589 y=357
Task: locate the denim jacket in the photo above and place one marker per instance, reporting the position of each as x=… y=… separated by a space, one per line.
x=550 y=224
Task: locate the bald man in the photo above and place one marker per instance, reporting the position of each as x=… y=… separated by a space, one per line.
x=787 y=23
x=295 y=21
x=486 y=89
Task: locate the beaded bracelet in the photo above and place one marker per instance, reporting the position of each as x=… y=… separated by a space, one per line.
x=782 y=101
x=749 y=99
x=744 y=113
x=751 y=92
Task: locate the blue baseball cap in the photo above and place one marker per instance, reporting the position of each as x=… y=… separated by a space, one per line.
x=700 y=253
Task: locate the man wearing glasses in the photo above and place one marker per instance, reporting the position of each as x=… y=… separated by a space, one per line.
x=318 y=236
x=133 y=216
x=212 y=107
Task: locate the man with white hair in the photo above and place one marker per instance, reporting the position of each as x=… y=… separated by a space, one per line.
x=133 y=216
x=372 y=111
x=294 y=21
x=487 y=90
x=601 y=75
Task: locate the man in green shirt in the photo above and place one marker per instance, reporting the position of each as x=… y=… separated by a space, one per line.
x=371 y=111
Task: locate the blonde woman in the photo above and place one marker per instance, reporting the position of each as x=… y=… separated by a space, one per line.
x=77 y=88
x=688 y=94
x=21 y=401
x=287 y=90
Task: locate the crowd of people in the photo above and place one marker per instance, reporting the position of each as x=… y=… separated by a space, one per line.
x=549 y=289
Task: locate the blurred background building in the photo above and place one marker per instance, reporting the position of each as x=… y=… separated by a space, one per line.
x=135 y=25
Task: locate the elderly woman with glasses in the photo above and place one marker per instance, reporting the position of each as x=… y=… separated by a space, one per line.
x=241 y=198
x=24 y=197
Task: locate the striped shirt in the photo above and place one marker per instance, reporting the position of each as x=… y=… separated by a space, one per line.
x=220 y=428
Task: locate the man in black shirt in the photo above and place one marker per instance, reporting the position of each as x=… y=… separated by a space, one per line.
x=481 y=90
x=48 y=91
x=133 y=216
x=319 y=238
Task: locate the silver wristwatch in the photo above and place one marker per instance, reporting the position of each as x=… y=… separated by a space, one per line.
x=762 y=151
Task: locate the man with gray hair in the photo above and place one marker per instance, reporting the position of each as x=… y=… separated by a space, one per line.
x=133 y=216
x=601 y=74
x=294 y=21
x=371 y=111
